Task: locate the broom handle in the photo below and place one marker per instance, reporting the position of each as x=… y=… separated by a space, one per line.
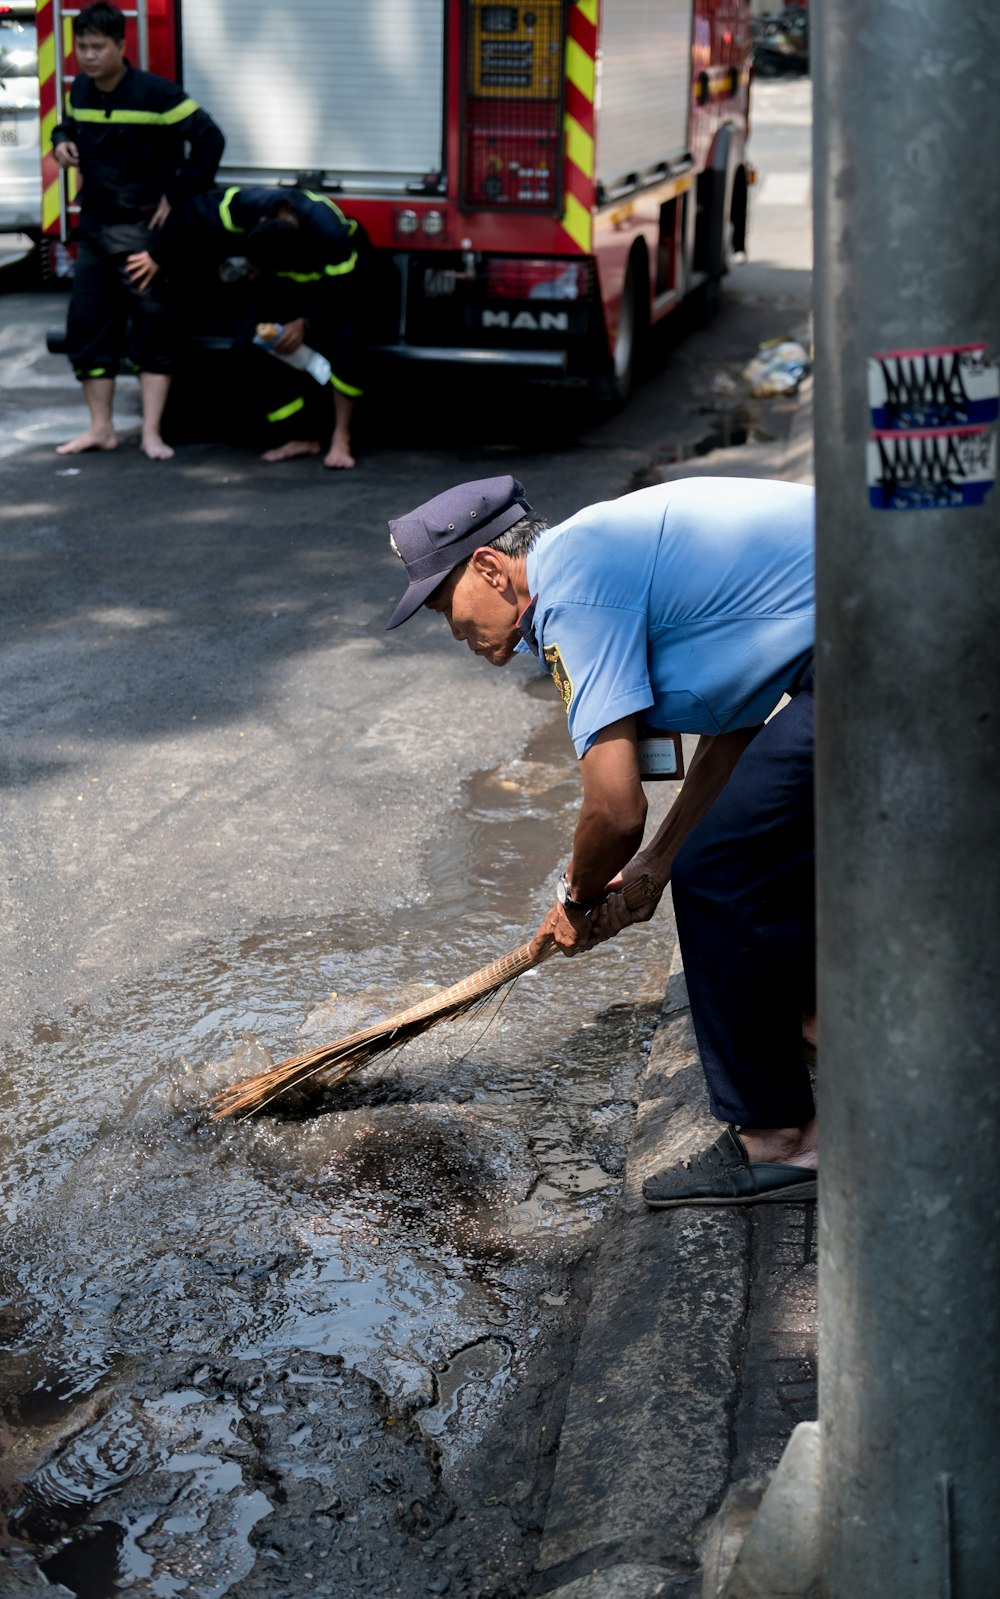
x=641 y=891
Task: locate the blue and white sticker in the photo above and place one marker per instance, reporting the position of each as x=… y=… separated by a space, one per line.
x=930 y=468
x=943 y=386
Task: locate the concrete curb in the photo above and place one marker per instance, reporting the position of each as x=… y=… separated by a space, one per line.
x=697 y=1358
x=644 y=1454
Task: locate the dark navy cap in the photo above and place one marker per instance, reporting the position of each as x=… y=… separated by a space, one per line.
x=435 y=538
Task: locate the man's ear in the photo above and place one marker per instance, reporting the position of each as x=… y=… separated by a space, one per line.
x=491 y=567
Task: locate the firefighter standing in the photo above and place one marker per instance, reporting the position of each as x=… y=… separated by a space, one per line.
x=126 y=131
x=308 y=261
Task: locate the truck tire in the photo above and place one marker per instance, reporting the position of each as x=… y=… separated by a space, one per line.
x=612 y=388
x=717 y=247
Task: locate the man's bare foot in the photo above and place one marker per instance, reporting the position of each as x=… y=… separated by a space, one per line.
x=339 y=455
x=154 y=447
x=91 y=439
x=787 y=1146
x=294 y=447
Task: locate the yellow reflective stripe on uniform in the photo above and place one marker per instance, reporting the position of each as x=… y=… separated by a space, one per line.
x=284 y=411
x=324 y=199
x=343 y=266
x=224 y=211
x=178 y=112
x=156 y=119
x=327 y=272
x=345 y=388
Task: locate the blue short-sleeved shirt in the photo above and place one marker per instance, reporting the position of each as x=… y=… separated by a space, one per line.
x=692 y=601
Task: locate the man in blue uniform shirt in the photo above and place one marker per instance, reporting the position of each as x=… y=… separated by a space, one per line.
x=689 y=605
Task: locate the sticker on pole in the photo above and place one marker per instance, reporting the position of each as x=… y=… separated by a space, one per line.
x=930 y=468
x=949 y=386
x=933 y=444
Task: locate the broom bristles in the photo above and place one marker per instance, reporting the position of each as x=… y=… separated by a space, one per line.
x=349 y=1054
x=346 y=1055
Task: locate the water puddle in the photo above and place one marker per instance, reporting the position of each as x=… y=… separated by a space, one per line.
x=228 y=1348
x=466 y=1381
x=723 y=430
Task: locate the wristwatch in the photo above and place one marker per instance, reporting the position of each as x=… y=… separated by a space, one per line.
x=566 y=899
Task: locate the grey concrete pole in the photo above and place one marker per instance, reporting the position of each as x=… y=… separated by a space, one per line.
x=907 y=251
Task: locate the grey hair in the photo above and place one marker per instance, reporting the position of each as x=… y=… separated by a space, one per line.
x=516 y=541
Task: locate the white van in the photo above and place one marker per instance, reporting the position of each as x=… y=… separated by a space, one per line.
x=20 y=168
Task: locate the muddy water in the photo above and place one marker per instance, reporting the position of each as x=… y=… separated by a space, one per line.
x=324 y=1350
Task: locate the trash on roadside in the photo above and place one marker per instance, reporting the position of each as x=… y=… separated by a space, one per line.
x=724 y=383
x=778 y=368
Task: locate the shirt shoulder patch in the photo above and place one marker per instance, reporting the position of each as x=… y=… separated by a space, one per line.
x=560 y=676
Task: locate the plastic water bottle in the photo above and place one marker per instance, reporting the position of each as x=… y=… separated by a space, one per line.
x=303 y=359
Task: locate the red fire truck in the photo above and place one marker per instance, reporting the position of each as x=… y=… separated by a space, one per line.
x=542 y=181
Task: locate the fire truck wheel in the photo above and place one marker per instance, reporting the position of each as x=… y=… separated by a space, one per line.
x=612 y=388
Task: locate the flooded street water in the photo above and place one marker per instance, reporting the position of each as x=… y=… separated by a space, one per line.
x=324 y=1350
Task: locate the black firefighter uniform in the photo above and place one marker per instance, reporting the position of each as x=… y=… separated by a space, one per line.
x=143 y=141
x=317 y=270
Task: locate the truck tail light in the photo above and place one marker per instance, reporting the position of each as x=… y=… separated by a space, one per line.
x=524 y=278
x=512 y=106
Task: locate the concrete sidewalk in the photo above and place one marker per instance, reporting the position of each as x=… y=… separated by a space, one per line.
x=698 y=1357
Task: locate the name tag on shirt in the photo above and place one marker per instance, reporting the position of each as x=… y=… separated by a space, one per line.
x=661 y=754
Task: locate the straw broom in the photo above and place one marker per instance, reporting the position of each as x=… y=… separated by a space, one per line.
x=347 y=1055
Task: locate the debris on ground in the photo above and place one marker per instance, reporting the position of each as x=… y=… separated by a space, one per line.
x=778 y=368
x=724 y=383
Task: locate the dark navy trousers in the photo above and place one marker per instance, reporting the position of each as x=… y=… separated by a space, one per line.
x=744 y=900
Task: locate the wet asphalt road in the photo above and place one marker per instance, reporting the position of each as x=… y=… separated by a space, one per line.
x=325 y=1353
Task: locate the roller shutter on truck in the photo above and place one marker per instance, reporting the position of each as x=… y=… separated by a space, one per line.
x=352 y=89
x=645 y=87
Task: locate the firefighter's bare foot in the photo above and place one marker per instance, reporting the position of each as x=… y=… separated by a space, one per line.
x=154 y=448
x=90 y=439
x=788 y=1146
x=294 y=447
x=339 y=454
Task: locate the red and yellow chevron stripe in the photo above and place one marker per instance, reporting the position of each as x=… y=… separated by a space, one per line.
x=578 y=123
x=50 y=111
